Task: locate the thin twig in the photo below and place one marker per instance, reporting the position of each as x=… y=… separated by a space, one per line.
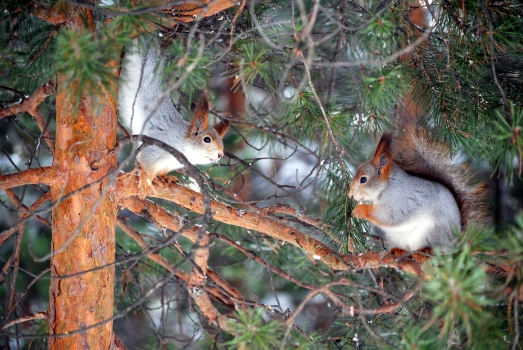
x=508 y=117
x=36 y=316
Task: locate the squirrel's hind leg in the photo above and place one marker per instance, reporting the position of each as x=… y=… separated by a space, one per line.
x=130 y=177
x=148 y=182
x=145 y=180
x=147 y=162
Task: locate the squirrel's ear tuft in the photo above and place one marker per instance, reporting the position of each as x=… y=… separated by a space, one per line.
x=383 y=156
x=200 y=120
x=221 y=127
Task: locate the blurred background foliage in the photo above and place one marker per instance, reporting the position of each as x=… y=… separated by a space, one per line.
x=279 y=80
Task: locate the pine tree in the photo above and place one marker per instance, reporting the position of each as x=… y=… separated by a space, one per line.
x=258 y=251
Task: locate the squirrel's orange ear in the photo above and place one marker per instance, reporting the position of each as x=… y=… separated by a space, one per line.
x=383 y=156
x=221 y=127
x=200 y=120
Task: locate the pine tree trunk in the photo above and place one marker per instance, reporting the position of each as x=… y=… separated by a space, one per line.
x=83 y=136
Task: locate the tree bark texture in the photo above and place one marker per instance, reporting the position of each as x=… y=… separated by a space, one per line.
x=188 y=11
x=83 y=224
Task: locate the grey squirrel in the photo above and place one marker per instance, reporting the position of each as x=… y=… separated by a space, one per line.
x=144 y=112
x=415 y=195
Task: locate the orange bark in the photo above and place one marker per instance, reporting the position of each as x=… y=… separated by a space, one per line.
x=44 y=175
x=205 y=8
x=29 y=104
x=86 y=299
x=56 y=15
x=84 y=224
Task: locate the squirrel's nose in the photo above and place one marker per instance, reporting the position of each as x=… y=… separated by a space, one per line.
x=220 y=155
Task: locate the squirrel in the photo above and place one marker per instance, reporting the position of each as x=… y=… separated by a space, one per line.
x=416 y=197
x=144 y=111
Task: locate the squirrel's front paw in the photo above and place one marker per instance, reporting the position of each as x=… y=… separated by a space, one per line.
x=360 y=211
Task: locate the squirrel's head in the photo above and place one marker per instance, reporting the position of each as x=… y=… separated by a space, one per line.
x=203 y=143
x=372 y=177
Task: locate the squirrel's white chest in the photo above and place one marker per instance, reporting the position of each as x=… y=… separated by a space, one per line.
x=166 y=164
x=169 y=162
x=412 y=234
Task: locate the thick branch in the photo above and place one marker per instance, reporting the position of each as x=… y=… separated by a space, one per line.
x=287 y=209
x=193 y=201
x=44 y=175
x=29 y=104
x=203 y=301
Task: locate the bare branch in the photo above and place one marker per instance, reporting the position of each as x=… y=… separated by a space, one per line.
x=29 y=104
x=36 y=316
x=45 y=175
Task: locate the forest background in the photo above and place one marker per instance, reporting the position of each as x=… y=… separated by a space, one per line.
x=258 y=251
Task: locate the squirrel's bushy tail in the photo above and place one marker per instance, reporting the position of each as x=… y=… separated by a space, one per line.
x=141 y=94
x=421 y=155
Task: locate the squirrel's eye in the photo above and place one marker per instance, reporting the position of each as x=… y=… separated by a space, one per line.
x=207 y=139
x=363 y=179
